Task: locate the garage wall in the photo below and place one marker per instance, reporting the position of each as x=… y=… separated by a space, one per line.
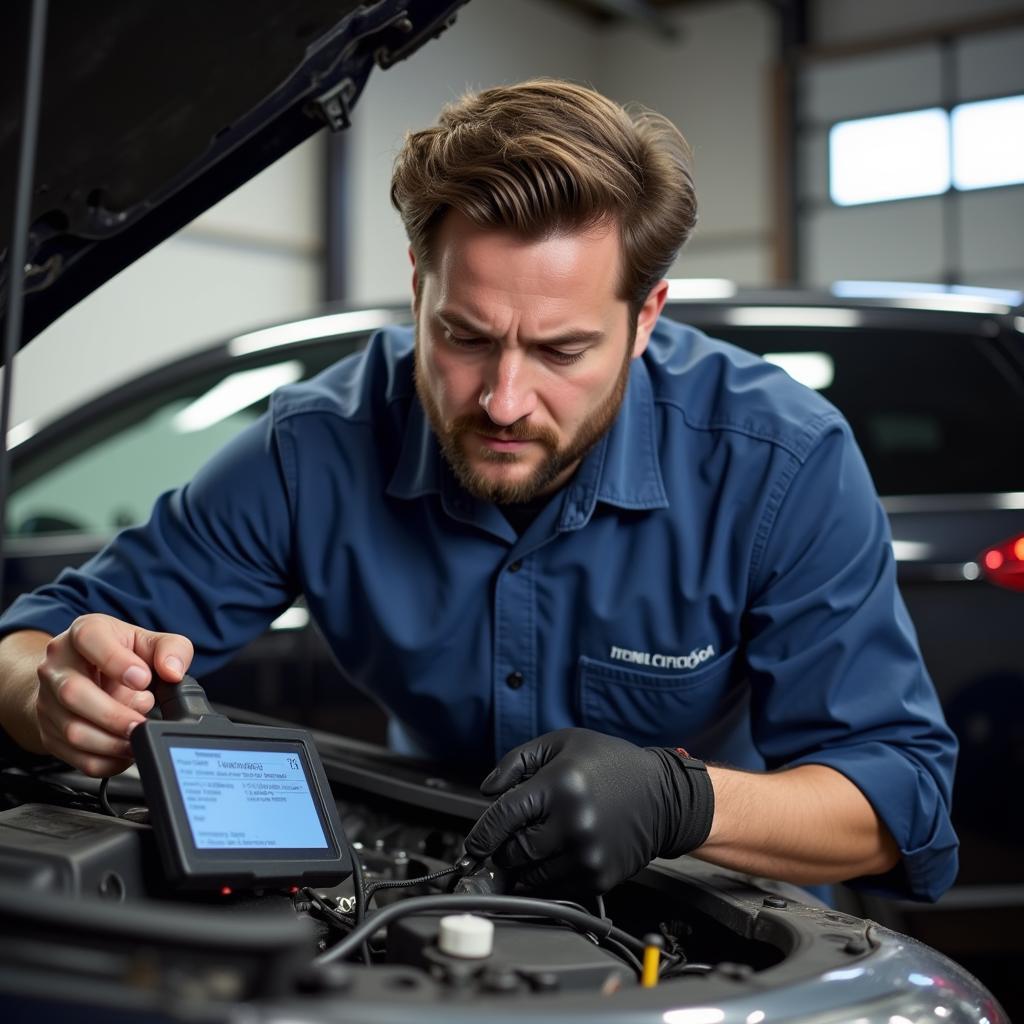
x=714 y=82
x=851 y=21
x=711 y=79
x=971 y=237
x=493 y=42
x=254 y=257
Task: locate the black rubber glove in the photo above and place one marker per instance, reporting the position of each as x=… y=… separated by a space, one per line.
x=591 y=809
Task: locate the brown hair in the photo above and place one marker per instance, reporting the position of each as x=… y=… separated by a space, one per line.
x=547 y=155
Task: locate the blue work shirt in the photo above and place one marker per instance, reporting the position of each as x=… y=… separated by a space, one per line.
x=717 y=575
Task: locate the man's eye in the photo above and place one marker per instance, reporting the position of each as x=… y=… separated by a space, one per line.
x=564 y=358
x=459 y=342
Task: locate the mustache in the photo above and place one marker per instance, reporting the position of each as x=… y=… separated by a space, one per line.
x=474 y=423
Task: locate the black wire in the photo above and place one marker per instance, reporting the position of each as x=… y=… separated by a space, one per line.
x=38 y=774
x=487 y=904
x=359 y=893
x=624 y=954
x=365 y=893
x=599 y=899
x=17 y=247
x=334 y=915
x=579 y=906
x=104 y=802
x=402 y=883
x=679 y=970
x=358 y=884
x=573 y=904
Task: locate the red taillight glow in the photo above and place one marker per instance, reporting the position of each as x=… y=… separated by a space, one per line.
x=1004 y=563
x=226 y=890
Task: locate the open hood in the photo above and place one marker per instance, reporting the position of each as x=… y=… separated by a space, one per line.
x=152 y=112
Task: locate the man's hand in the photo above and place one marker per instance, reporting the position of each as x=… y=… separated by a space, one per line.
x=591 y=809
x=93 y=691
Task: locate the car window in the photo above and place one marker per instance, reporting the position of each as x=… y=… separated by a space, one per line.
x=106 y=475
x=114 y=482
x=933 y=413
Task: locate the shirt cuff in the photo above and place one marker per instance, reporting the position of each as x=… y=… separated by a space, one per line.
x=909 y=803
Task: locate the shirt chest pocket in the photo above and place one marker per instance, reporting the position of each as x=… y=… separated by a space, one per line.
x=654 y=708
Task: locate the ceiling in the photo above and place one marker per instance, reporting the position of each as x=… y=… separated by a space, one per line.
x=652 y=13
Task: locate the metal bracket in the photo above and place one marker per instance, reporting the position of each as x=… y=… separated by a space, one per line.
x=335 y=104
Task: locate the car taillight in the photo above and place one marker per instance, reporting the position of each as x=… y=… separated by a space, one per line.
x=1003 y=564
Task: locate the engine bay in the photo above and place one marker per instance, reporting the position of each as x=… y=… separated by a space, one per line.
x=97 y=913
x=86 y=911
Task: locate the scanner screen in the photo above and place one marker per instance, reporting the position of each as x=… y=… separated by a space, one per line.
x=247 y=799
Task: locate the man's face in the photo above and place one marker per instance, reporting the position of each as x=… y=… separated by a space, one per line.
x=522 y=353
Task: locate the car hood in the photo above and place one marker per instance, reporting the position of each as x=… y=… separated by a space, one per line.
x=152 y=112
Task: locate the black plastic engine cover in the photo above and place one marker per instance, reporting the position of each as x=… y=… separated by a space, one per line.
x=525 y=954
x=76 y=853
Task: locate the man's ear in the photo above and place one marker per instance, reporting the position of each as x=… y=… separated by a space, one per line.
x=648 y=316
x=415 y=283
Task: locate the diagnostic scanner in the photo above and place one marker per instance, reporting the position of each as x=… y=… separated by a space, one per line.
x=235 y=805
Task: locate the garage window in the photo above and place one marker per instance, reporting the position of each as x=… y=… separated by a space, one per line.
x=988 y=143
x=899 y=156
x=927 y=152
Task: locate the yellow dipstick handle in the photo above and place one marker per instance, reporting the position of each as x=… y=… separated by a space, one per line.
x=653 y=945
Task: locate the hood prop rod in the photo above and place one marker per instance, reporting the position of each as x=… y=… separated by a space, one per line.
x=18 y=242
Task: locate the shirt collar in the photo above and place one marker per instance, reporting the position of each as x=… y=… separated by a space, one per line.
x=422 y=470
x=621 y=470
x=418 y=470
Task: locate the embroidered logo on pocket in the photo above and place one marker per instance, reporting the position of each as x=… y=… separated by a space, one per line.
x=684 y=661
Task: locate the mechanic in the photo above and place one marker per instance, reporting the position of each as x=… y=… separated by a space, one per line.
x=548 y=527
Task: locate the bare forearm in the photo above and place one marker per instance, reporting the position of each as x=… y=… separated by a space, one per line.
x=808 y=825
x=20 y=655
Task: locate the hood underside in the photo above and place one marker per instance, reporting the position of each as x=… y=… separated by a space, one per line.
x=152 y=112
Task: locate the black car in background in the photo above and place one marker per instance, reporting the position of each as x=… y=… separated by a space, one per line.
x=932 y=382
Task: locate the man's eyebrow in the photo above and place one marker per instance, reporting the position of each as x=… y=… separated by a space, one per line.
x=460 y=323
x=454 y=321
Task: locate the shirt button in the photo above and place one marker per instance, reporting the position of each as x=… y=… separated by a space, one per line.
x=515 y=567
x=514 y=680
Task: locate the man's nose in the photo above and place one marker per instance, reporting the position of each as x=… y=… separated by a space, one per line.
x=508 y=394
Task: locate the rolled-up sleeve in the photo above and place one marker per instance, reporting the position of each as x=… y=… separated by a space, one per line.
x=213 y=562
x=836 y=672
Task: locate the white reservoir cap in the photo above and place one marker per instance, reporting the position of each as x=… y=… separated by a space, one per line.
x=466 y=935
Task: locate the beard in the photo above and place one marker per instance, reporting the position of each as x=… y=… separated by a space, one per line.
x=458 y=437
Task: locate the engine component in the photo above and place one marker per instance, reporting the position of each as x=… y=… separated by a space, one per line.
x=467 y=936
x=533 y=955
x=486 y=880
x=78 y=853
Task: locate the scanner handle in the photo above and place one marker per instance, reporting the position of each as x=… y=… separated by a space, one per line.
x=182 y=702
